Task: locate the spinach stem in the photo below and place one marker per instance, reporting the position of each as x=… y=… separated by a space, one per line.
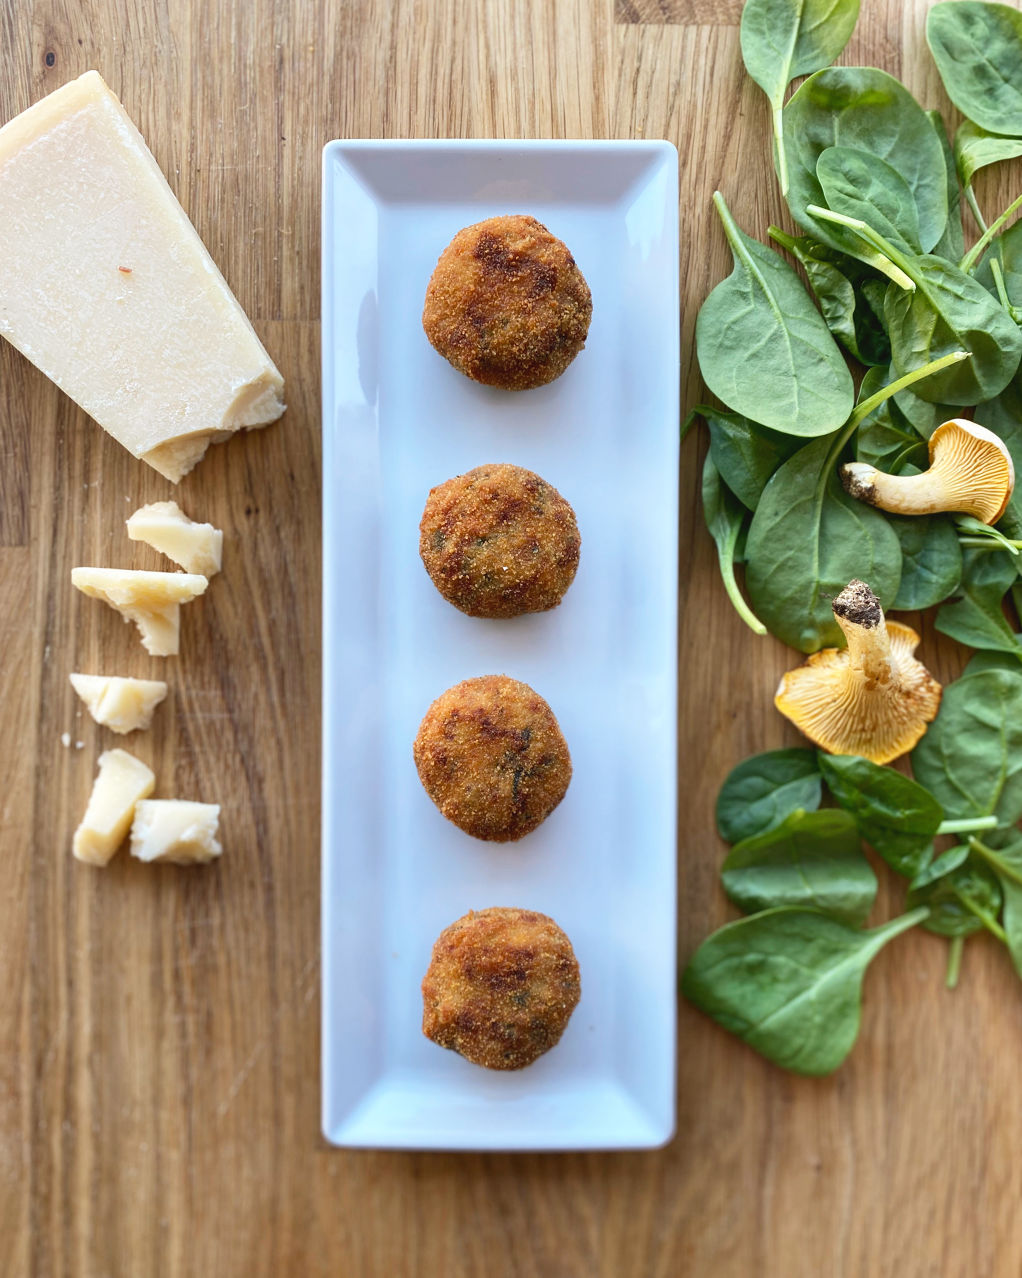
x=997 y=862
x=901 y=267
x=964 y=824
x=970 y=199
x=863 y=410
x=969 y=261
x=988 y=922
x=990 y=543
x=782 y=158
x=688 y=423
x=1002 y=292
x=954 y=961
x=726 y=560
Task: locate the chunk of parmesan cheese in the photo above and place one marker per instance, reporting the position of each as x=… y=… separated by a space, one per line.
x=164 y=526
x=122 y=781
x=106 y=286
x=122 y=705
x=175 y=830
x=152 y=600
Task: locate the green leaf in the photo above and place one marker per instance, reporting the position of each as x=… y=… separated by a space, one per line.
x=860 y=184
x=782 y=39
x=1003 y=416
x=1003 y=853
x=725 y=516
x=807 y=540
x=765 y=790
x=765 y=350
x=867 y=110
x=745 y=453
x=961 y=893
x=975 y=148
x=977 y=618
x=951 y=244
x=971 y=756
x=837 y=282
x=896 y=816
x=931 y=560
x=789 y=983
x=951 y=311
x=993 y=661
x=886 y=438
x=813 y=860
x=978 y=52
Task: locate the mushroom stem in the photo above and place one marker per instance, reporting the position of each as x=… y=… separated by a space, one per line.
x=901 y=494
x=858 y=613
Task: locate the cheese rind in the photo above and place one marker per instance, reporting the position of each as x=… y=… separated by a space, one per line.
x=175 y=830
x=120 y=704
x=163 y=525
x=106 y=286
x=122 y=781
x=150 y=599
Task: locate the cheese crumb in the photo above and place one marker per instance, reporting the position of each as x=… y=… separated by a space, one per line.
x=163 y=525
x=120 y=704
x=175 y=830
x=122 y=781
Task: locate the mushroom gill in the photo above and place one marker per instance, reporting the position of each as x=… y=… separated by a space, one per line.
x=872 y=698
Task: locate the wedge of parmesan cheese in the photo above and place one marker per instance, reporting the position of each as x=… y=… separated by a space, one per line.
x=122 y=781
x=164 y=526
x=106 y=286
x=152 y=600
x=175 y=830
x=122 y=705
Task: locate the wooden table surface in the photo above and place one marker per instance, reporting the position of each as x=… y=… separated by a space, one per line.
x=159 y=1083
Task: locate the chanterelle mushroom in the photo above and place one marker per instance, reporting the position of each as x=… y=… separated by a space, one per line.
x=970 y=471
x=872 y=698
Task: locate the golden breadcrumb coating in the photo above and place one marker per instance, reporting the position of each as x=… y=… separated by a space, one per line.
x=506 y=304
x=492 y=758
x=500 y=988
x=499 y=541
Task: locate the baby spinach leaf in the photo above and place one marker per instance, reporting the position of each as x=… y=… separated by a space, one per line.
x=807 y=540
x=763 y=347
x=951 y=311
x=1003 y=416
x=931 y=560
x=860 y=184
x=813 y=860
x=923 y=416
x=971 y=756
x=836 y=282
x=782 y=39
x=978 y=52
x=977 y=618
x=886 y=438
x=951 y=244
x=960 y=892
x=789 y=983
x=867 y=110
x=994 y=661
x=896 y=816
x=724 y=516
x=745 y=453
x=1003 y=854
x=764 y=790
x=975 y=148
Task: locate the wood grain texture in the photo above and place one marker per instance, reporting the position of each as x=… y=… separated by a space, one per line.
x=159 y=1092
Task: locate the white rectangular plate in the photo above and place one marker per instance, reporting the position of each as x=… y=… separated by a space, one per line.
x=397 y=419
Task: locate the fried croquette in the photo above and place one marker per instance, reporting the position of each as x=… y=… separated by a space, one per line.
x=499 y=541
x=500 y=988
x=492 y=758
x=506 y=304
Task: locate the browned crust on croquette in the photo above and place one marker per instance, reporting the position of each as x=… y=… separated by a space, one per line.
x=499 y=541
x=492 y=757
x=506 y=304
x=501 y=987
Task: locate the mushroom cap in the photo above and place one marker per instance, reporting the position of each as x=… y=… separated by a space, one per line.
x=976 y=466
x=843 y=713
